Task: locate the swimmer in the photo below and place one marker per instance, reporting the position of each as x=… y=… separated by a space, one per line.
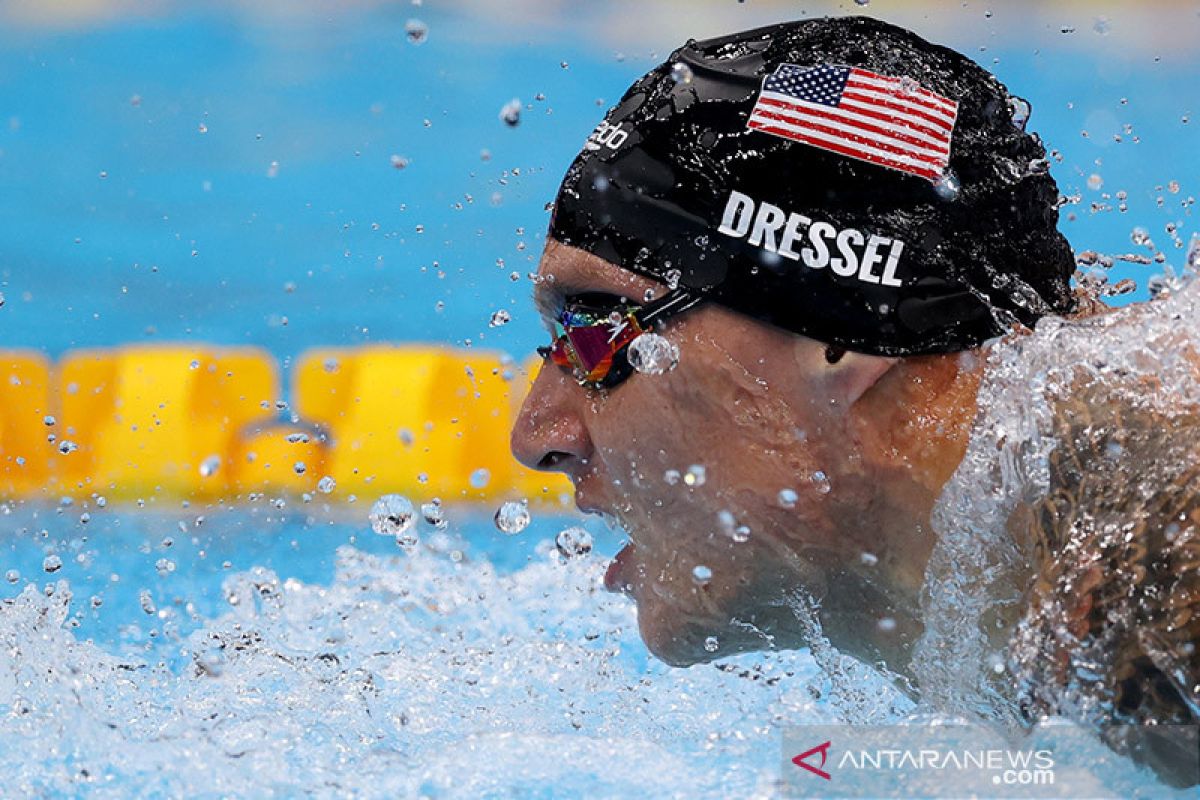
x=773 y=276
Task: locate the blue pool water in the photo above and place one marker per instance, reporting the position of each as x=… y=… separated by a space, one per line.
x=189 y=237
x=223 y=173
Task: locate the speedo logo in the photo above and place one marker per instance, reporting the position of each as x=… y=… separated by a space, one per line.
x=847 y=252
x=607 y=135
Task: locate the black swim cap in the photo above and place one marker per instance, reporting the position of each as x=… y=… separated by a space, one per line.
x=840 y=178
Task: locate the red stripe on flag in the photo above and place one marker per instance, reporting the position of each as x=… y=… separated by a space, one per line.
x=903 y=108
x=897 y=89
x=941 y=135
x=928 y=174
x=923 y=145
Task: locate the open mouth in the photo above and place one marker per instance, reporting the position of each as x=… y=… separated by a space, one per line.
x=616 y=577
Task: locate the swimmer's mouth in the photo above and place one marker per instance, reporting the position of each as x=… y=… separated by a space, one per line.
x=615 y=579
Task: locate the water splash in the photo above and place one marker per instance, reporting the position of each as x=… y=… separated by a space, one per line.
x=1140 y=359
x=398 y=679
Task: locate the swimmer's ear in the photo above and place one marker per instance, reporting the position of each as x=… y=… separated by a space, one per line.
x=850 y=375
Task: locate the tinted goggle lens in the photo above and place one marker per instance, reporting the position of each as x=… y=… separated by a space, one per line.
x=594 y=341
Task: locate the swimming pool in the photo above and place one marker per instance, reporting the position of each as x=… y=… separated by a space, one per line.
x=297 y=179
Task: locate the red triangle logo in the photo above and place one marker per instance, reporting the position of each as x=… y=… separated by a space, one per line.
x=800 y=761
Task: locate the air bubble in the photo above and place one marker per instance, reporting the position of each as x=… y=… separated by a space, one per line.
x=510 y=114
x=433 y=513
x=392 y=515
x=480 y=478
x=209 y=466
x=512 y=517
x=416 y=31
x=652 y=354
x=573 y=542
x=1019 y=111
x=681 y=73
x=947 y=187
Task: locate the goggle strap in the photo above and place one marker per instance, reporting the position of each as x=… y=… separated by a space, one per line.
x=673 y=302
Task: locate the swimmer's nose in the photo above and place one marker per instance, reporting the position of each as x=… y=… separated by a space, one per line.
x=549 y=434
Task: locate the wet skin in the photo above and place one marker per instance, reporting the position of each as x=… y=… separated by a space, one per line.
x=762 y=410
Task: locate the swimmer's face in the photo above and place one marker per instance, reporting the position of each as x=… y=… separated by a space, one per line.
x=763 y=413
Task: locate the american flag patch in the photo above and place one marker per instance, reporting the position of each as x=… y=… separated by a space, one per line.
x=892 y=122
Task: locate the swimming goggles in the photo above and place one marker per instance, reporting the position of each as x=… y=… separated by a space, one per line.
x=595 y=335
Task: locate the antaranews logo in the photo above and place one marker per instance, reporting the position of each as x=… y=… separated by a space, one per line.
x=802 y=760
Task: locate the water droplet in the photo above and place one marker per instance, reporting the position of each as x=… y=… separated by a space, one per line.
x=673 y=276
x=202 y=128
x=1067 y=29
x=947 y=187
x=512 y=517
x=12 y=576
x=433 y=513
x=652 y=354
x=701 y=574
x=326 y=485
x=1095 y=182
x=480 y=478
x=711 y=644
x=681 y=73
x=398 y=161
x=67 y=446
x=392 y=515
x=868 y=559
x=862 y=2
x=147 y=602
x=164 y=566
x=1019 y=111
x=1102 y=26
x=299 y=468
x=1193 y=254
x=886 y=624
x=52 y=563
x=821 y=482
x=788 y=498
x=696 y=475
x=297 y=438
x=500 y=317
x=671 y=476
x=1141 y=236
x=49 y=420
x=416 y=31
x=209 y=466
x=573 y=542
x=510 y=114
